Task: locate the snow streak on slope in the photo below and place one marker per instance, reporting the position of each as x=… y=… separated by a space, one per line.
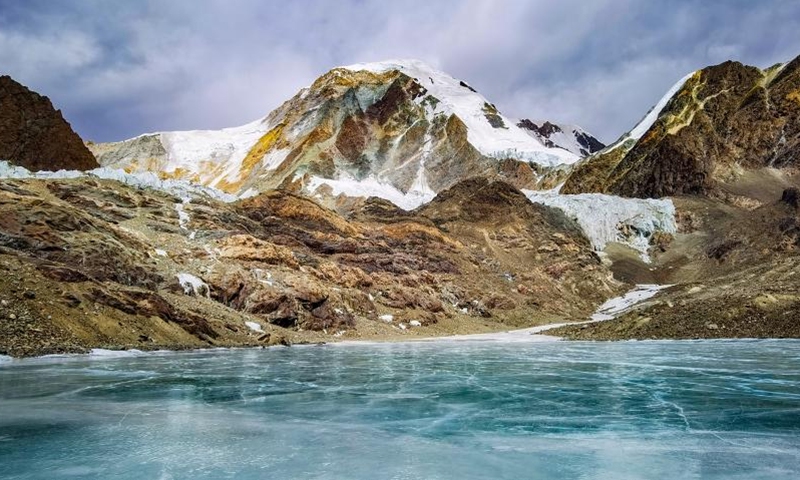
x=606 y=218
x=644 y=125
x=456 y=97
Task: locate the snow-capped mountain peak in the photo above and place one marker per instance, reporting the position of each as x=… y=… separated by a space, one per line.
x=489 y=131
x=569 y=137
x=399 y=129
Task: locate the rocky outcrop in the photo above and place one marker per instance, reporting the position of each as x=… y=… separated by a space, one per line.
x=724 y=120
x=34 y=135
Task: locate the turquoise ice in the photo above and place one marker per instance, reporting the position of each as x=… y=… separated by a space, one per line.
x=439 y=410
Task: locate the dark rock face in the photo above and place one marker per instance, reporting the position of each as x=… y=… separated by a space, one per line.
x=588 y=144
x=791 y=197
x=725 y=116
x=34 y=135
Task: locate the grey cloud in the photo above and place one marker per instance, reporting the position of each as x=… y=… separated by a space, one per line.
x=118 y=69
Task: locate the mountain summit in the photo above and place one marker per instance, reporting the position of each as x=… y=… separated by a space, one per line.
x=400 y=130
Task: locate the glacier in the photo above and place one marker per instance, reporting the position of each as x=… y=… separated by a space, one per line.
x=606 y=218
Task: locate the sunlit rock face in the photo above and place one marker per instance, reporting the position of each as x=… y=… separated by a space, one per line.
x=400 y=130
x=709 y=130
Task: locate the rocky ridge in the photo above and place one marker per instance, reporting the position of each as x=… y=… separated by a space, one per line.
x=709 y=132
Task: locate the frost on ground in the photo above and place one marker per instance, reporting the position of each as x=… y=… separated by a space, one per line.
x=192 y=285
x=606 y=218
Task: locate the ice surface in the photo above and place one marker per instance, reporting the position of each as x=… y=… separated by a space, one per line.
x=607 y=218
x=568 y=410
x=102 y=352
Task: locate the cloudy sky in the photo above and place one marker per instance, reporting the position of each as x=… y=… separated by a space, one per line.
x=118 y=69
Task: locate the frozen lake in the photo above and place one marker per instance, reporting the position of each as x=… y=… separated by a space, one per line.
x=431 y=410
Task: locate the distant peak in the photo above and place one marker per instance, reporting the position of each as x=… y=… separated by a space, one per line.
x=405 y=64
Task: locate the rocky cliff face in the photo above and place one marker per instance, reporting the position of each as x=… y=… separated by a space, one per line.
x=34 y=135
x=402 y=131
x=713 y=127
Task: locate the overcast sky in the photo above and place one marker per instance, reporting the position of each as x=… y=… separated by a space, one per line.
x=117 y=69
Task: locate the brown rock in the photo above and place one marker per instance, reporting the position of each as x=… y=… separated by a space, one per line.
x=34 y=135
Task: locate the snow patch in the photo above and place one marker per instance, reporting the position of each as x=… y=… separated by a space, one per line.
x=614 y=307
x=193 y=285
x=419 y=194
x=161 y=253
x=644 y=125
x=606 y=218
x=183 y=217
x=607 y=311
x=254 y=327
x=274 y=159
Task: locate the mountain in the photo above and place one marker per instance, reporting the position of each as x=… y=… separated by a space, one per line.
x=569 y=137
x=711 y=134
x=400 y=130
x=34 y=135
